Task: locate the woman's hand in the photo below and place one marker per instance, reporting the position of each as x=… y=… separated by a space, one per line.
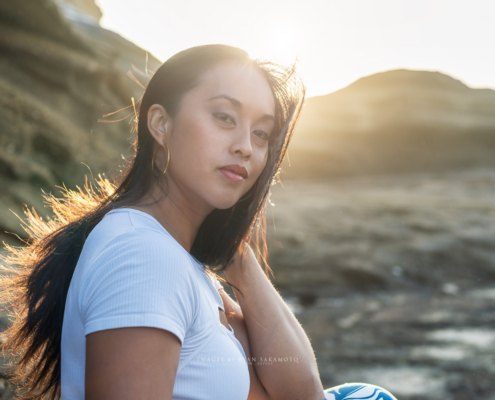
x=244 y=259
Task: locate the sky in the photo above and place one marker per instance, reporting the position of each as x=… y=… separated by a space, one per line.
x=334 y=42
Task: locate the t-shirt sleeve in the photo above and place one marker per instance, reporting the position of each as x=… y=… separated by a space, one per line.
x=217 y=283
x=214 y=280
x=141 y=278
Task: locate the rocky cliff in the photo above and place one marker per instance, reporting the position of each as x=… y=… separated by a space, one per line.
x=58 y=77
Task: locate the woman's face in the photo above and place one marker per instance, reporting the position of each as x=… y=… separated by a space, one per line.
x=210 y=132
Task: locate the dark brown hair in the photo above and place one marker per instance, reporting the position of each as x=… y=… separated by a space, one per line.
x=38 y=275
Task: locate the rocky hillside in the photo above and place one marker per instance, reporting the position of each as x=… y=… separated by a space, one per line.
x=59 y=76
x=395 y=121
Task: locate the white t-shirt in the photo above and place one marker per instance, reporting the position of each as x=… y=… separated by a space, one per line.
x=132 y=272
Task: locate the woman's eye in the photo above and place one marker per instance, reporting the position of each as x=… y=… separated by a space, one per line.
x=224 y=117
x=264 y=135
x=227 y=118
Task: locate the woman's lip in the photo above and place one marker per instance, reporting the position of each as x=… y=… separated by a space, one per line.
x=233 y=177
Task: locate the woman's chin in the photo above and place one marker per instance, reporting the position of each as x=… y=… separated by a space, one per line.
x=223 y=201
x=223 y=205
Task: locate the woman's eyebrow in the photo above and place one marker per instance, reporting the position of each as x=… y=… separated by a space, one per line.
x=238 y=104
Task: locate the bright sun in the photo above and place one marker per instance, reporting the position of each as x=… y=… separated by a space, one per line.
x=284 y=46
x=284 y=42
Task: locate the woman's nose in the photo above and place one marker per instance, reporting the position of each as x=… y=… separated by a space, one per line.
x=242 y=143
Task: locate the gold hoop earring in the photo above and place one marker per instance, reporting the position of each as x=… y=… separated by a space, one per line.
x=168 y=160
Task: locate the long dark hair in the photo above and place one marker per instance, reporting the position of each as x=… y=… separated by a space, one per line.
x=34 y=288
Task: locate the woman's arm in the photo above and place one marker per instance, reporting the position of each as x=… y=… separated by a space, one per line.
x=131 y=363
x=281 y=352
x=235 y=319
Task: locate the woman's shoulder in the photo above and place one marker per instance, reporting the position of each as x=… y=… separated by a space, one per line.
x=140 y=278
x=120 y=249
x=137 y=262
x=133 y=232
x=141 y=245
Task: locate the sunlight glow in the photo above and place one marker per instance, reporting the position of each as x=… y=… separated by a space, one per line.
x=284 y=46
x=335 y=42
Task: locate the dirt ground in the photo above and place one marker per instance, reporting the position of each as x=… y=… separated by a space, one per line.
x=417 y=313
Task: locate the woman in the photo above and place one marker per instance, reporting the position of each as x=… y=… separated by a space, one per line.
x=119 y=298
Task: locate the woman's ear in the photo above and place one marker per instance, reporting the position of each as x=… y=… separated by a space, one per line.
x=158 y=123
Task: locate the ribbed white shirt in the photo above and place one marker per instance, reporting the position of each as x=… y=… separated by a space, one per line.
x=132 y=272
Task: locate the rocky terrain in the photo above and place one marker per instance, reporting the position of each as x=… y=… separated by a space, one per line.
x=417 y=344
x=393 y=278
